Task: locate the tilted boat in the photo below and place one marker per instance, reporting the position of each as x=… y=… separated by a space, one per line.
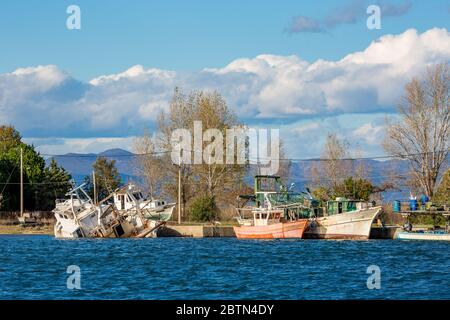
x=124 y=213
x=130 y=197
x=342 y=219
x=79 y=217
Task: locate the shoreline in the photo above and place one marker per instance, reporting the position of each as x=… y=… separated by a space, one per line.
x=28 y=230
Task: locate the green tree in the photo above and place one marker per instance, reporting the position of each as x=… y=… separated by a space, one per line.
x=56 y=183
x=33 y=167
x=354 y=188
x=107 y=178
x=203 y=208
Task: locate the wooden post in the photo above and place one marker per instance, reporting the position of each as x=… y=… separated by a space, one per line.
x=21 y=182
x=179 y=194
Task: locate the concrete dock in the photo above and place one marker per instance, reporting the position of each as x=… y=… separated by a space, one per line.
x=387 y=232
x=196 y=231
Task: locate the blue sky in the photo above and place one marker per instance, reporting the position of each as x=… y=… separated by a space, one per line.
x=179 y=39
x=183 y=35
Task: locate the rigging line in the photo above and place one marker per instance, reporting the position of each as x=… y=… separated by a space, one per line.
x=33 y=183
x=399 y=156
x=103 y=156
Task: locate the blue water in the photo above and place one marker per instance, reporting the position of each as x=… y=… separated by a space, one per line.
x=34 y=267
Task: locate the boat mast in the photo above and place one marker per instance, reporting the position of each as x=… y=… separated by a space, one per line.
x=21 y=182
x=179 y=194
x=95 y=187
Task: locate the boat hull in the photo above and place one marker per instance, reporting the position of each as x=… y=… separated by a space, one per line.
x=353 y=225
x=423 y=236
x=164 y=214
x=279 y=230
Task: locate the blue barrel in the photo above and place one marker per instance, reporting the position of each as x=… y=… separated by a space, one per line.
x=413 y=204
x=396 y=206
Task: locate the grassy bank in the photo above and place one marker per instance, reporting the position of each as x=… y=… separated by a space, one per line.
x=19 y=229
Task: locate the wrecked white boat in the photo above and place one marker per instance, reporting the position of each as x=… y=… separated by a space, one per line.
x=123 y=214
x=79 y=217
x=131 y=200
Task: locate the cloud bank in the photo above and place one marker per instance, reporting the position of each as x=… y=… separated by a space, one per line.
x=45 y=101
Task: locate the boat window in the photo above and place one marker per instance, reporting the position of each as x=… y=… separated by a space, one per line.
x=128 y=199
x=351 y=206
x=79 y=233
x=118 y=230
x=266 y=184
x=137 y=195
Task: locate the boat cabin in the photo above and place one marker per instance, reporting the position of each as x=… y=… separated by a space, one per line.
x=342 y=205
x=266 y=217
x=127 y=198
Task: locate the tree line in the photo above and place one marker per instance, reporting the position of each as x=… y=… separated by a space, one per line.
x=42 y=184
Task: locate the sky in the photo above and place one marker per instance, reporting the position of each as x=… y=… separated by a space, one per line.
x=305 y=67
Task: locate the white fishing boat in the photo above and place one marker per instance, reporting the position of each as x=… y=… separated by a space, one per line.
x=131 y=199
x=342 y=219
x=436 y=235
x=79 y=217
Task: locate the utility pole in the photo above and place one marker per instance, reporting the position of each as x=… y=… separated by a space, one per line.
x=179 y=194
x=21 y=182
x=95 y=187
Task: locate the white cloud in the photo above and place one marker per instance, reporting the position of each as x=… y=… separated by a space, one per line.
x=44 y=101
x=370 y=133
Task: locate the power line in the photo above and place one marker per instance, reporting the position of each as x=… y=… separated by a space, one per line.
x=399 y=156
x=74 y=155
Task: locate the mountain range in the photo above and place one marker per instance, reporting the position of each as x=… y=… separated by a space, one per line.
x=80 y=165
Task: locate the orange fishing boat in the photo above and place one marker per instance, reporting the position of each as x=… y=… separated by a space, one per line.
x=270 y=224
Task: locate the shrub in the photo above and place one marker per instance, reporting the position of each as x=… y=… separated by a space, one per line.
x=203 y=208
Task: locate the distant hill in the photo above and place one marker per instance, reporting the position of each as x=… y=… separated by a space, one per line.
x=80 y=165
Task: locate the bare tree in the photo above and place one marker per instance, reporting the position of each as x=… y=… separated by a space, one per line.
x=204 y=178
x=179 y=115
x=284 y=170
x=211 y=109
x=327 y=174
x=422 y=135
x=335 y=165
x=149 y=161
